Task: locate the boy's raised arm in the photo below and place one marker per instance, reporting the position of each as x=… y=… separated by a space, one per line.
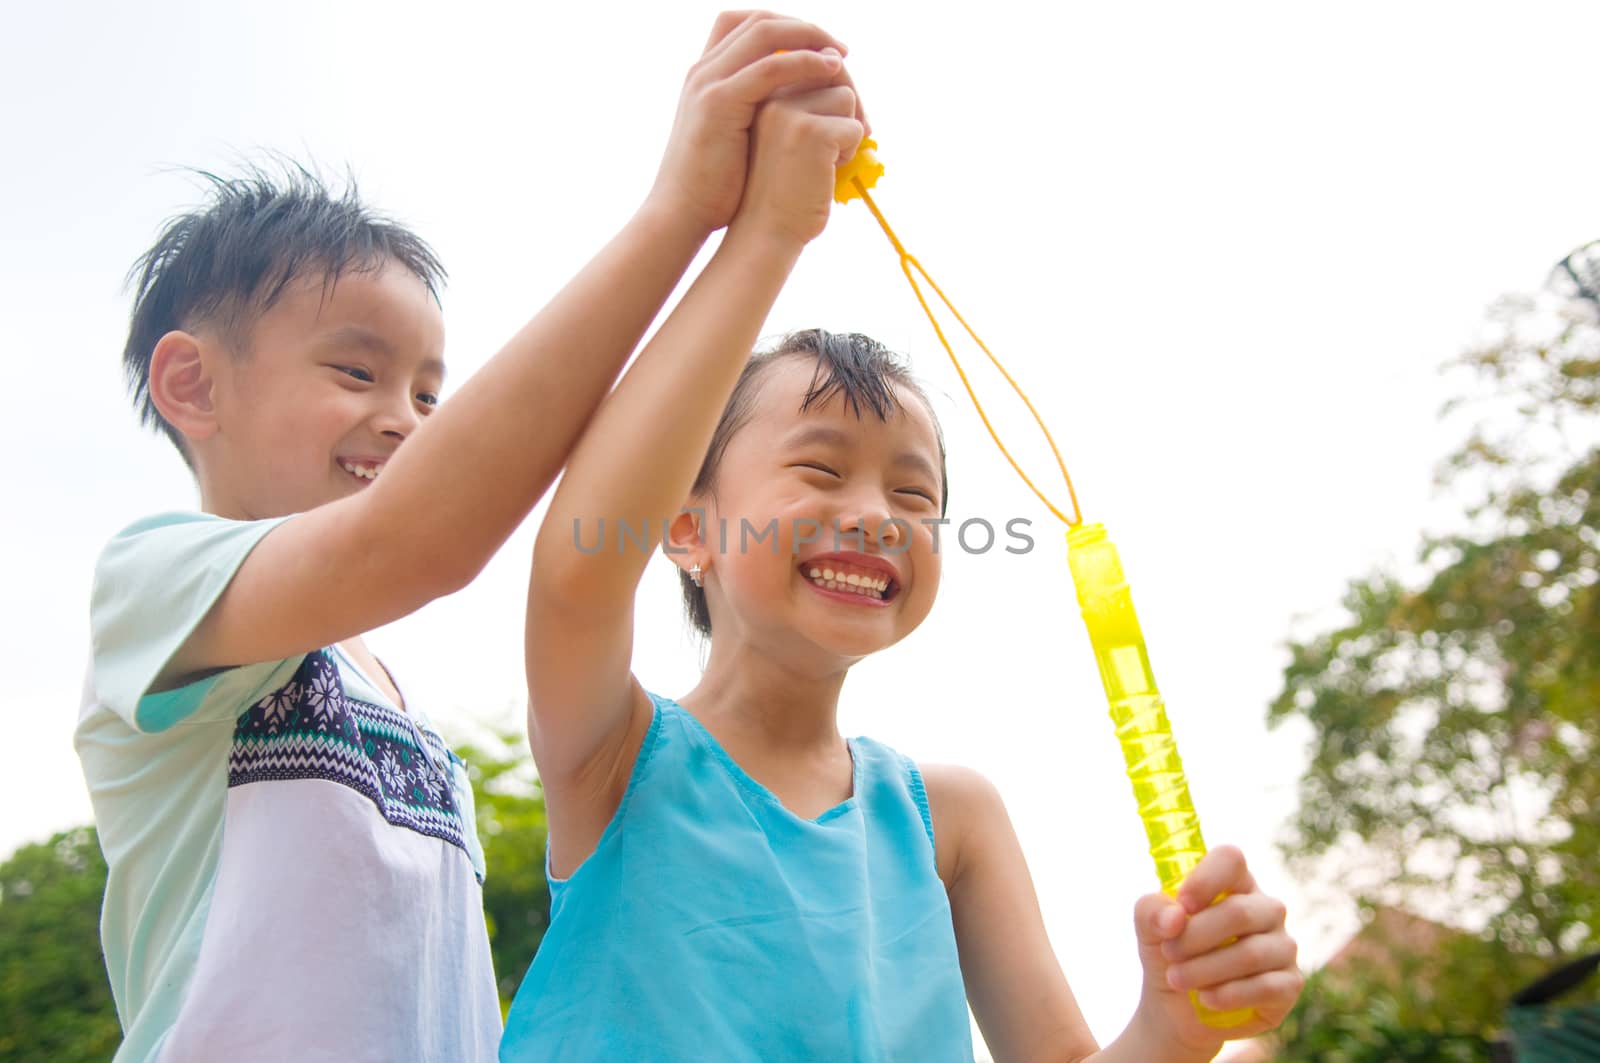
x=471 y=472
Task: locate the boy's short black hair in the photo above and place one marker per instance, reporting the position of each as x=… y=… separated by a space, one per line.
x=229 y=260
x=858 y=367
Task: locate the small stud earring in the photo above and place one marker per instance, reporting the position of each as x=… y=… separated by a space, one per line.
x=694 y=574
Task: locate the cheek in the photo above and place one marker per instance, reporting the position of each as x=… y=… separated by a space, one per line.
x=929 y=565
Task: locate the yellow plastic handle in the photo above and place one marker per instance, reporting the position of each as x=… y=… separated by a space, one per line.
x=1149 y=750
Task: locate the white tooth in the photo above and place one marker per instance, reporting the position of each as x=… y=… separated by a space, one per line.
x=853 y=579
x=882 y=585
x=816 y=573
x=827 y=573
x=832 y=586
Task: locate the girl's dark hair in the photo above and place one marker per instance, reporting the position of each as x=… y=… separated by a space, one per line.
x=858 y=367
x=229 y=261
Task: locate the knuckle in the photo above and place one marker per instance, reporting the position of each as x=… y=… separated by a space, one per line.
x=764 y=26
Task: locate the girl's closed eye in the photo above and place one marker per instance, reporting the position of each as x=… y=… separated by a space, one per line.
x=921 y=494
x=816 y=466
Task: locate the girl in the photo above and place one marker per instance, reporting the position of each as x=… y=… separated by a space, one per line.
x=731 y=879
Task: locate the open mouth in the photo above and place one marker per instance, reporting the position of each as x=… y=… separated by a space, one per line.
x=362 y=470
x=847 y=579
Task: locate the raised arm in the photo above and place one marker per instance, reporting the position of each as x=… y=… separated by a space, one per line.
x=469 y=474
x=638 y=459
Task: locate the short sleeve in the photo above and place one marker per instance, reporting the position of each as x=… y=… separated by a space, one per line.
x=154 y=583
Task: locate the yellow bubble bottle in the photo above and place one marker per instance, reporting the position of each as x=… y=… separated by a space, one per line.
x=1140 y=718
x=1149 y=751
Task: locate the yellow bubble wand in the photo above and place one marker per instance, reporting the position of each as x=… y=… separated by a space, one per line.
x=1148 y=748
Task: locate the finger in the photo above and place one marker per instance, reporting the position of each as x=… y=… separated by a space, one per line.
x=1270 y=994
x=841 y=78
x=845 y=79
x=1223 y=870
x=1158 y=918
x=821 y=116
x=783 y=75
x=1236 y=916
x=762 y=35
x=726 y=23
x=841 y=132
x=1245 y=958
x=834 y=101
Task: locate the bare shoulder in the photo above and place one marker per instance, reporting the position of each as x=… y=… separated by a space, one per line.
x=965 y=805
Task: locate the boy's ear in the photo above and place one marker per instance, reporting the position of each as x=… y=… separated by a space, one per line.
x=181 y=385
x=683 y=543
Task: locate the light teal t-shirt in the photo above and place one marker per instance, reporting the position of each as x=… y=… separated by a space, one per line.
x=711 y=923
x=293 y=868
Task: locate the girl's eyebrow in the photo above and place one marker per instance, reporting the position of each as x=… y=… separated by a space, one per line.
x=910 y=459
x=813 y=434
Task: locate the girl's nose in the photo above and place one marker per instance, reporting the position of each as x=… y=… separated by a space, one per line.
x=873 y=521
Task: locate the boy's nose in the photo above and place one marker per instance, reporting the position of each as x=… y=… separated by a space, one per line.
x=397 y=420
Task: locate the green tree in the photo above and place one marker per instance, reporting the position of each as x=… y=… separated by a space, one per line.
x=1338 y=1025
x=511 y=824
x=1453 y=711
x=55 y=1003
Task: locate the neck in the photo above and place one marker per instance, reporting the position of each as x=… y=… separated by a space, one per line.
x=753 y=695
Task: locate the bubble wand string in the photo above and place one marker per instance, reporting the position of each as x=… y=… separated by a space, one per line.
x=1150 y=753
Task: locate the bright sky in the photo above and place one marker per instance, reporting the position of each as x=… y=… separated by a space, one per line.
x=1225 y=247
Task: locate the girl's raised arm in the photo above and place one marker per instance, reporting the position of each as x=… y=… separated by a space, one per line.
x=637 y=461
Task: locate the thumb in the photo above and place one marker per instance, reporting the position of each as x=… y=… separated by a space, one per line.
x=1157 y=919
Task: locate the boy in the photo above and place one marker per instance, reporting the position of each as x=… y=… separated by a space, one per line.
x=293 y=869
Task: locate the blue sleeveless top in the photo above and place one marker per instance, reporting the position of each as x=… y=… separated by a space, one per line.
x=711 y=923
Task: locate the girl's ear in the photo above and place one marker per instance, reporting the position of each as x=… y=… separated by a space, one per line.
x=181 y=385
x=684 y=543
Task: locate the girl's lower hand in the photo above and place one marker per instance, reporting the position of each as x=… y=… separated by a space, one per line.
x=1235 y=955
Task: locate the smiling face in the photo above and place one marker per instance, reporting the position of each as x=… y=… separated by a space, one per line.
x=826 y=517
x=333 y=381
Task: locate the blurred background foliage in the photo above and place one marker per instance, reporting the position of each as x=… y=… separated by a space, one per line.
x=1453 y=721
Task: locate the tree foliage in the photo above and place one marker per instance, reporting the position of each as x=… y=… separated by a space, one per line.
x=1338 y=1025
x=1455 y=711
x=511 y=824
x=55 y=1003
